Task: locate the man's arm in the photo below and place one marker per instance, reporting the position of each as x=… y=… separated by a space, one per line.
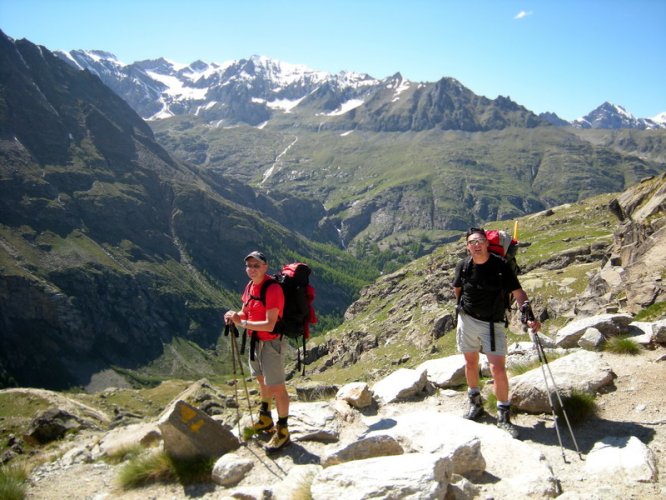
x=268 y=324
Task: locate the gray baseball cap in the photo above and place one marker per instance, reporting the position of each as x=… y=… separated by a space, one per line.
x=257 y=255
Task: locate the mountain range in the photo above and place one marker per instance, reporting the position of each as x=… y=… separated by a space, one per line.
x=252 y=90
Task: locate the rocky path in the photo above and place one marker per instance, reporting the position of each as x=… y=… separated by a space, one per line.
x=635 y=407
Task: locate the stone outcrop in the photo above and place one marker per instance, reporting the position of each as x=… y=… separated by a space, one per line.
x=189 y=433
x=401 y=384
x=608 y=324
x=418 y=475
x=625 y=456
x=632 y=275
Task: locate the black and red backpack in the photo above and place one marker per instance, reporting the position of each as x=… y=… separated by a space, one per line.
x=298 y=313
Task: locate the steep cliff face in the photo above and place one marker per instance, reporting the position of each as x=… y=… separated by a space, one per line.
x=109 y=248
x=86 y=198
x=634 y=274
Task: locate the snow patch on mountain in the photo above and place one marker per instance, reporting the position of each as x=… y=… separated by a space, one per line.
x=660 y=119
x=285 y=105
x=176 y=88
x=399 y=89
x=165 y=112
x=345 y=107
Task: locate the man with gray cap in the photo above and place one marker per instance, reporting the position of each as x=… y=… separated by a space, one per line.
x=267 y=350
x=481 y=285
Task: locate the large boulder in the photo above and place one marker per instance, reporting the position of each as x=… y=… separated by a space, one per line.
x=473 y=449
x=608 y=324
x=582 y=371
x=402 y=384
x=379 y=445
x=190 y=433
x=52 y=424
x=418 y=475
x=445 y=372
x=624 y=456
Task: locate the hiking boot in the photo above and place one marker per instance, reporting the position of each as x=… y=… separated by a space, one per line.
x=280 y=439
x=475 y=408
x=504 y=422
x=264 y=423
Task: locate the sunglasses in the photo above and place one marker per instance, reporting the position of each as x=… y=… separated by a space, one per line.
x=476 y=242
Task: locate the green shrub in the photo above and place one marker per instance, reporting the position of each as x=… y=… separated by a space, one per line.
x=158 y=467
x=490 y=402
x=579 y=406
x=13 y=481
x=622 y=345
x=652 y=313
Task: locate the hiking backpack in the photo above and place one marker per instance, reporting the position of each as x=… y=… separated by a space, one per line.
x=502 y=243
x=298 y=313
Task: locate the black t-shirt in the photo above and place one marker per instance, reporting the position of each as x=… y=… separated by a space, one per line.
x=485 y=286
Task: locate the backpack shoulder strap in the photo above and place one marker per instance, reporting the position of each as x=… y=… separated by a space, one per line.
x=262 y=292
x=247 y=293
x=466 y=268
x=264 y=289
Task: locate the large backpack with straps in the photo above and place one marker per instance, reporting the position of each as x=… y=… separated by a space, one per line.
x=298 y=313
x=503 y=244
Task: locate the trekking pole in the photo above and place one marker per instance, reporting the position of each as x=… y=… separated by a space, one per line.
x=544 y=365
x=233 y=366
x=235 y=357
x=528 y=315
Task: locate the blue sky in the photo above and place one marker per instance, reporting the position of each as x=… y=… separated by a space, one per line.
x=565 y=56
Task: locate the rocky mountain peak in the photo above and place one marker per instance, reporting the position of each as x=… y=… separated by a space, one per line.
x=613 y=116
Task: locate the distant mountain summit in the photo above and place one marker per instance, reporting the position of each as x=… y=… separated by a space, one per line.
x=613 y=116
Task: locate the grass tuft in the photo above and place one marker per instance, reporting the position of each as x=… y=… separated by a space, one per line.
x=124 y=454
x=303 y=490
x=622 y=345
x=520 y=368
x=248 y=433
x=652 y=313
x=490 y=402
x=13 y=481
x=579 y=407
x=158 y=467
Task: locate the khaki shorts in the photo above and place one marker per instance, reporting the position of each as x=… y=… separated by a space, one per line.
x=269 y=360
x=473 y=335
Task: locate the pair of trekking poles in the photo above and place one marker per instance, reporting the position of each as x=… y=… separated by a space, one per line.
x=231 y=331
x=528 y=315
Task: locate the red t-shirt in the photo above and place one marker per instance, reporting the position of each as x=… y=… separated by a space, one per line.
x=256 y=311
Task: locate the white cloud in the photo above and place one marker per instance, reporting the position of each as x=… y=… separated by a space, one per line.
x=522 y=14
